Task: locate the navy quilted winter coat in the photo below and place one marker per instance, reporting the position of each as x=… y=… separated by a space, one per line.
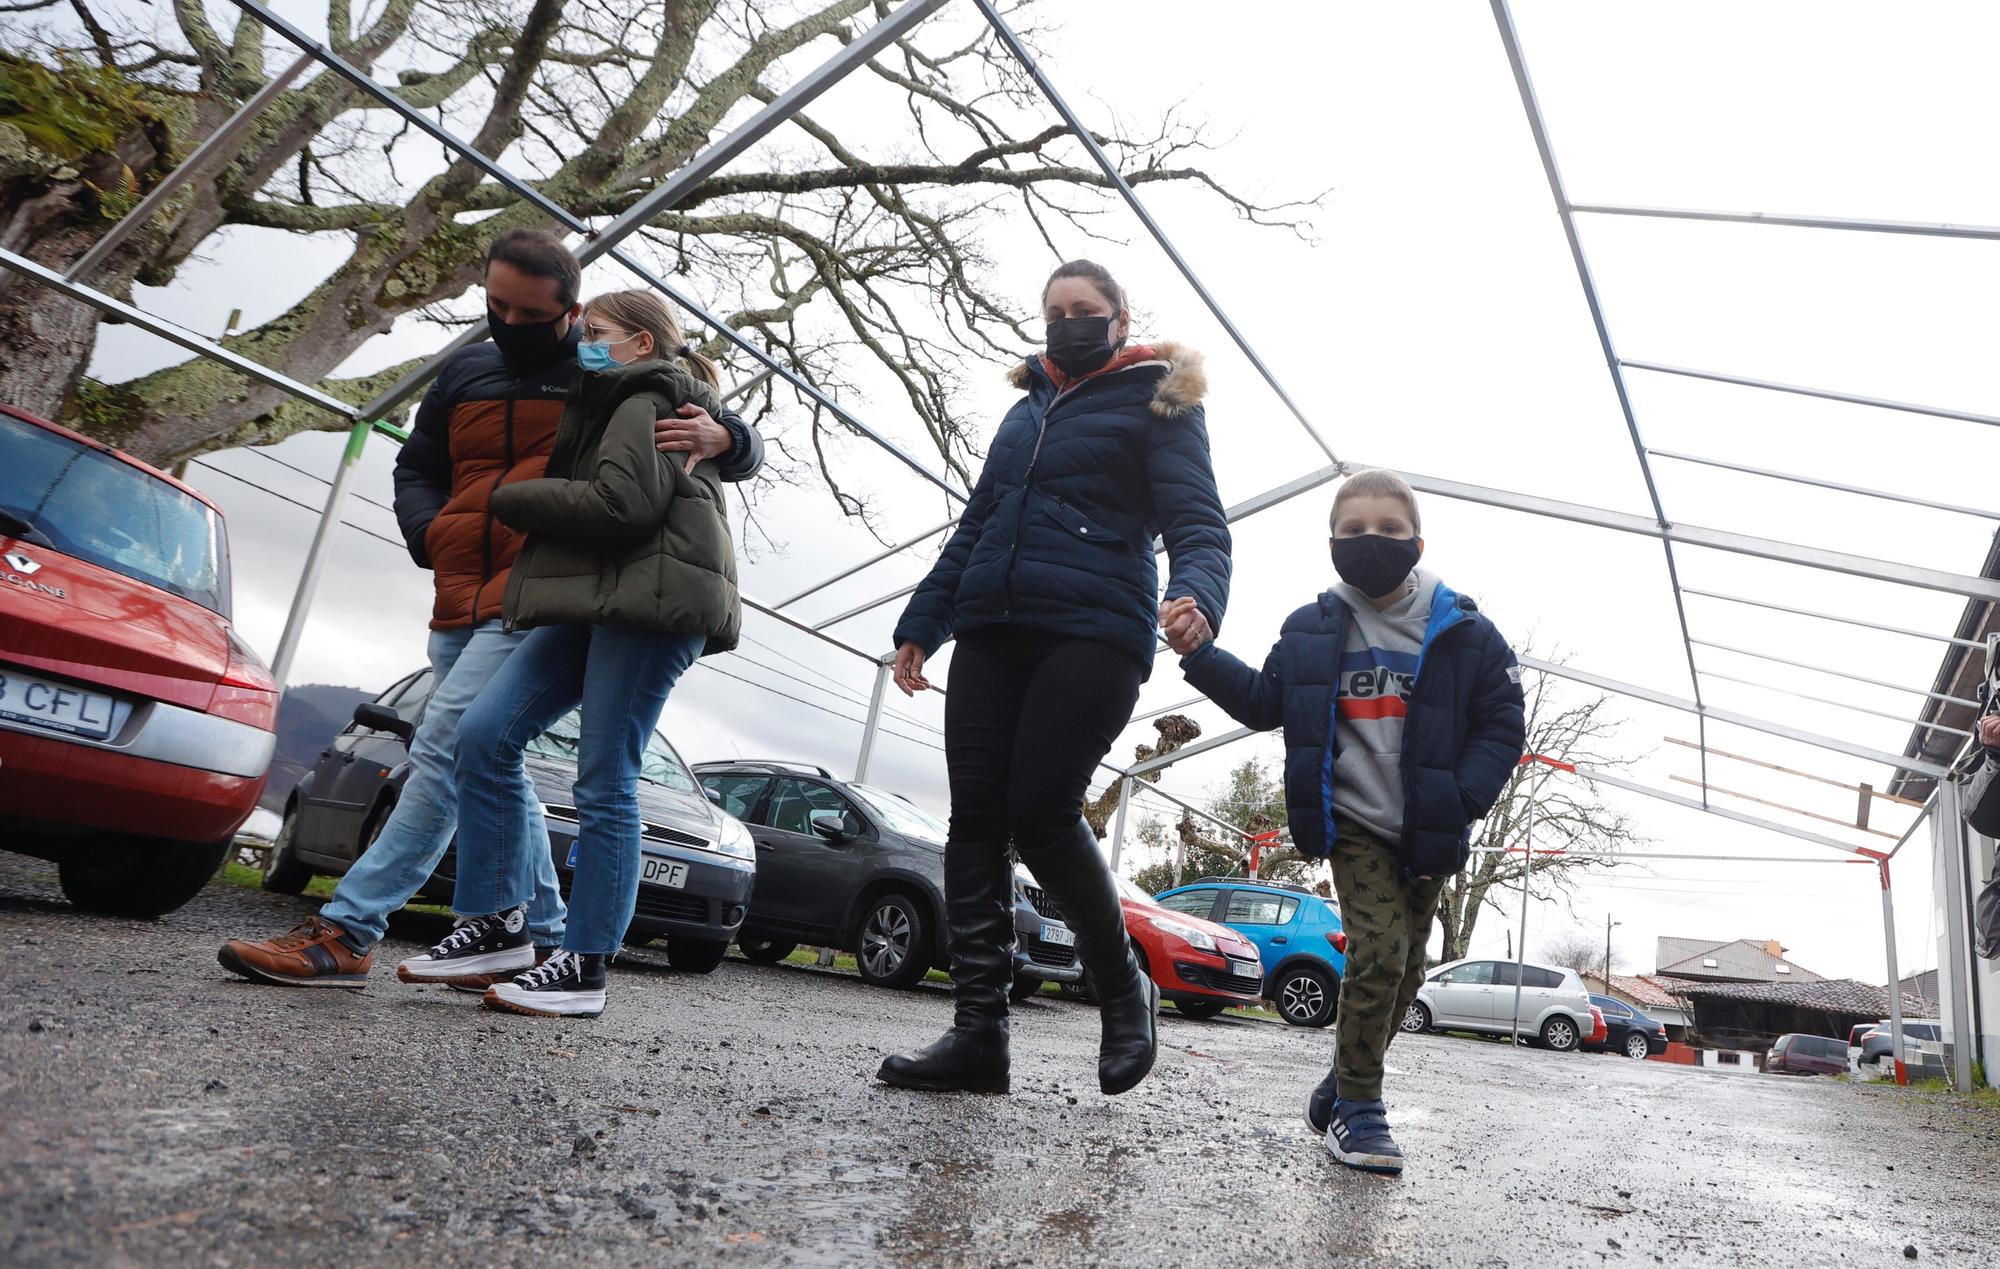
x=1462 y=737
x=1058 y=535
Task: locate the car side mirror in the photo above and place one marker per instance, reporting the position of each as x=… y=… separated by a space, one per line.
x=831 y=825
x=714 y=795
x=381 y=718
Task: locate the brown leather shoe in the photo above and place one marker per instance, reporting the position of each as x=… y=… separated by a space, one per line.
x=311 y=954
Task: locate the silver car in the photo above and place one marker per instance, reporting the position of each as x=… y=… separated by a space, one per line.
x=1478 y=995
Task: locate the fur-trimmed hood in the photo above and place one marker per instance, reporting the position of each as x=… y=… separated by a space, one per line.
x=1179 y=391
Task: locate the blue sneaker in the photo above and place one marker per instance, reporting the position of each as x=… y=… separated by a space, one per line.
x=1359 y=1137
x=1319 y=1110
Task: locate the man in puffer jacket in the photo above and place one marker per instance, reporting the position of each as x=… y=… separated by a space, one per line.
x=488 y=419
x=1403 y=719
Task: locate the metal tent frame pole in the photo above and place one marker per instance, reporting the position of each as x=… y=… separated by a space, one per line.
x=1838 y=674
x=1895 y=978
x=1824 y=394
x=317 y=554
x=1503 y=19
x=1924 y=229
x=1845 y=621
x=873 y=726
x=1118 y=825
x=1132 y=200
x=1835 y=485
x=1949 y=832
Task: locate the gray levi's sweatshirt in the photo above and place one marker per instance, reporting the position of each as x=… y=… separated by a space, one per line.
x=1378 y=665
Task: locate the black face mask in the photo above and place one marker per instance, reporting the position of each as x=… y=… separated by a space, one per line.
x=1373 y=564
x=528 y=346
x=1079 y=345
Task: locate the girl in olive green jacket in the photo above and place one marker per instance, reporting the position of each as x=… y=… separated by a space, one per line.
x=627 y=576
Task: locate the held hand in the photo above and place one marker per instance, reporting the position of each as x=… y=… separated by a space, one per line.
x=1184 y=626
x=1989 y=730
x=694 y=433
x=909 y=670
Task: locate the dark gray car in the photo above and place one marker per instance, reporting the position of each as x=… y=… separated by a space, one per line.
x=697 y=864
x=858 y=868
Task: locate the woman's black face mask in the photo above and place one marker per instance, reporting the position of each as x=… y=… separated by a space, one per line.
x=1079 y=345
x=1373 y=564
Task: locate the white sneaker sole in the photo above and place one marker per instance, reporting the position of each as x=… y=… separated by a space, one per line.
x=545 y=1004
x=422 y=969
x=1385 y=1164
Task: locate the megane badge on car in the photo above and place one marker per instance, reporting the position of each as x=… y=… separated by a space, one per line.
x=22 y=564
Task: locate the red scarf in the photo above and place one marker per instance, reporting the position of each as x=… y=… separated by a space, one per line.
x=1129 y=356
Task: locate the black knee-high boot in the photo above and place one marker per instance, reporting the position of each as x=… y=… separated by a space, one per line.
x=979 y=911
x=1073 y=873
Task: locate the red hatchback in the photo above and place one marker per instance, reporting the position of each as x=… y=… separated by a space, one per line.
x=136 y=728
x=1202 y=967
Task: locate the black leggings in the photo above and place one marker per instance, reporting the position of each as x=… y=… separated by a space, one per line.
x=1027 y=717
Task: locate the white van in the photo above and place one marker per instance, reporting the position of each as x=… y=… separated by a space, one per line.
x=1478 y=995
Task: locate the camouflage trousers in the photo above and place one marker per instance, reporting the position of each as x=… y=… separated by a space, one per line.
x=1388 y=925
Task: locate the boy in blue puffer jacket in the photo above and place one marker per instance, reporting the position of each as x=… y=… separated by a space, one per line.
x=1403 y=719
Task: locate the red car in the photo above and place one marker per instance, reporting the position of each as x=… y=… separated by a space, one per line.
x=136 y=728
x=1600 y=1031
x=1202 y=967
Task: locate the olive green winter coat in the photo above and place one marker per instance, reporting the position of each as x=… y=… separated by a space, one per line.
x=618 y=532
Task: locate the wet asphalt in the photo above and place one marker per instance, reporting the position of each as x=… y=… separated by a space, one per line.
x=154 y=1110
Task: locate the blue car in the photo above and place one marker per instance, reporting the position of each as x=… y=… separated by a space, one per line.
x=1296 y=932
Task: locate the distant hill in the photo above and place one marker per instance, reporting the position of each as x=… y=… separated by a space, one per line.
x=309 y=717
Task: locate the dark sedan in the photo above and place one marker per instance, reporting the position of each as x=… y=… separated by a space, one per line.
x=1627 y=1031
x=697 y=863
x=858 y=868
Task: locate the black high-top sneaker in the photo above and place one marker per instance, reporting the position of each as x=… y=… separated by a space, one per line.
x=566 y=985
x=476 y=945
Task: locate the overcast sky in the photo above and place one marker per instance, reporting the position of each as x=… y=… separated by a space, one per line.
x=1432 y=322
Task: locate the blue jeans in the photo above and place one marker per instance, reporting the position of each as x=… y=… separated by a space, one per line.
x=417 y=832
x=620 y=675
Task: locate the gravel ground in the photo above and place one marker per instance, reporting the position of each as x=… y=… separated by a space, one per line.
x=159 y=1111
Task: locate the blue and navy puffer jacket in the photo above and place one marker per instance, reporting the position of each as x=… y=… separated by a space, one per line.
x=1058 y=535
x=1462 y=737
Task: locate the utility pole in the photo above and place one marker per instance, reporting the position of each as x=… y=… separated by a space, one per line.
x=1608 y=923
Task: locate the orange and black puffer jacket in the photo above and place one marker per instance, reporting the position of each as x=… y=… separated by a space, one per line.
x=482 y=425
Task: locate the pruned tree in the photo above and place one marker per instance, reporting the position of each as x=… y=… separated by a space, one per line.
x=845 y=258
x=1254 y=798
x=1562 y=812
x=1174 y=730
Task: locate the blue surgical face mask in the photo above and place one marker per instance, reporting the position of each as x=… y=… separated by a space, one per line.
x=595 y=355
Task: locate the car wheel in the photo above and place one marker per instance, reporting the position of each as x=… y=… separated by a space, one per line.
x=1560 y=1034
x=1306 y=996
x=137 y=878
x=1026 y=986
x=695 y=956
x=1416 y=1018
x=283 y=873
x=1079 y=990
x=373 y=828
x=1202 y=1009
x=1636 y=1047
x=764 y=951
x=893 y=943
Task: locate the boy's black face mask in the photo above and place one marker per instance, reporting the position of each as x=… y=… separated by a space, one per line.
x=1373 y=564
x=1079 y=345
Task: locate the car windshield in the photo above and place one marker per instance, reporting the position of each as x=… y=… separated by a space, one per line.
x=661 y=765
x=1127 y=890
x=900 y=816
x=85 y=503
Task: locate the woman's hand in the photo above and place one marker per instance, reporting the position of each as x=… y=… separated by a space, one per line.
x=910 y=670
x=1989 y=730
x=1184 y=626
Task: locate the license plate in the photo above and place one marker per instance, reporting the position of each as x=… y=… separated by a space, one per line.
x=670 y=873
x=54 y=707
x=653 y=871
x=1060 y=935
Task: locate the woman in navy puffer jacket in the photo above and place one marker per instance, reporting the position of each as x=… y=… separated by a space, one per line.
x=1051 y=588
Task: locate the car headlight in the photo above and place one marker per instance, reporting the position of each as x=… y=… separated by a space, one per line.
x=735 y=839
x=1186 y=933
